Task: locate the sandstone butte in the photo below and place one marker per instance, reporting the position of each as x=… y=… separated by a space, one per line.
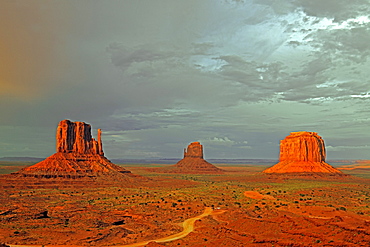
x=193 y=162
x=303 y=152
x=78 y=155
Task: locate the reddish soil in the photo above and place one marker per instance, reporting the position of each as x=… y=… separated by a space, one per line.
x=257 y=195
x=257 y=210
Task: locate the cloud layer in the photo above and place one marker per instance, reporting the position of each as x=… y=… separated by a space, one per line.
x=236 y=75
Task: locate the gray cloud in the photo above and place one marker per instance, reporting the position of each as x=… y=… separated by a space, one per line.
x=343 y=45
x=124 y=57
x=338 y=9
x=156 y=76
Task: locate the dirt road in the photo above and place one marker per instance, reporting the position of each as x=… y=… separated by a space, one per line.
x=188 y=228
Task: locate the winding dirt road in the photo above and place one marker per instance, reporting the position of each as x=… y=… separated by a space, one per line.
x=188 y=228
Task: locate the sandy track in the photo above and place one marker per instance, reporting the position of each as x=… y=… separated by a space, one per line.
x=188 y=228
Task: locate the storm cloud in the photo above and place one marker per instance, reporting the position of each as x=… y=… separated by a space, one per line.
x=155 y=75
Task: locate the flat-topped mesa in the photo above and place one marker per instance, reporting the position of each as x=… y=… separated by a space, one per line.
x=302 y=152
x=302 y=146
x=194 y=150
x=75 y=137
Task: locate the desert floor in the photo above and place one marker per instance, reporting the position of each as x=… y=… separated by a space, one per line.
x=242 y=207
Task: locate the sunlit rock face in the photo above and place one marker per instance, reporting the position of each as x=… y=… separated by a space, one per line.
x=194 y=150
x=75 y=137
x=193 y=161
x=303 y=146
x=78 y=155
x=302 y=152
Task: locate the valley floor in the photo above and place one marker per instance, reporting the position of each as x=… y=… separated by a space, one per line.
x=257 y=210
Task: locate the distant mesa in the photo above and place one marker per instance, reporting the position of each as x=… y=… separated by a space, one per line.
x=303 y=152
x=358 y=165
x=78 y=156
x=193 y=162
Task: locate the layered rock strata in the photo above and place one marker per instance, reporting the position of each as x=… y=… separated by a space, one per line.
x=302 y=152
x=78 y=156
x=193 y=161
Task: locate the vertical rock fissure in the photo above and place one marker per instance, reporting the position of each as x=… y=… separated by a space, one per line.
x=75 y=137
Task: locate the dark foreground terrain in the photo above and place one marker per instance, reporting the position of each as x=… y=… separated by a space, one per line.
x=245 y=208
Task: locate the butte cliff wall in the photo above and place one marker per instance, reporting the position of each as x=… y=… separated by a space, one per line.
x=194 y=150
x=75 y=137
x=302 y=152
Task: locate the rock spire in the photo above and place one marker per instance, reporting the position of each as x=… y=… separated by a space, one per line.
x=302 y=152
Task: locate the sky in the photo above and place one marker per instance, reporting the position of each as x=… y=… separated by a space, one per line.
x=238 y=76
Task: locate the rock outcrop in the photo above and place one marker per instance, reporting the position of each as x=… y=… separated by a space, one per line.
x=193 y=162
x=302 y=152
x=75 y=137
x=194 y=150
x=78 y=156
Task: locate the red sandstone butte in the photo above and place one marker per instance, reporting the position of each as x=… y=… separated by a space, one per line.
x=193 y=161
x=75 y=137
x=302 y=152
x=78 y=156
x=194 y=150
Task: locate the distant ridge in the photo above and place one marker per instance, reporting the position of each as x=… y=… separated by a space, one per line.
x=213 y=161
x=24 y=159
x=358 y=164
x=145 y=161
